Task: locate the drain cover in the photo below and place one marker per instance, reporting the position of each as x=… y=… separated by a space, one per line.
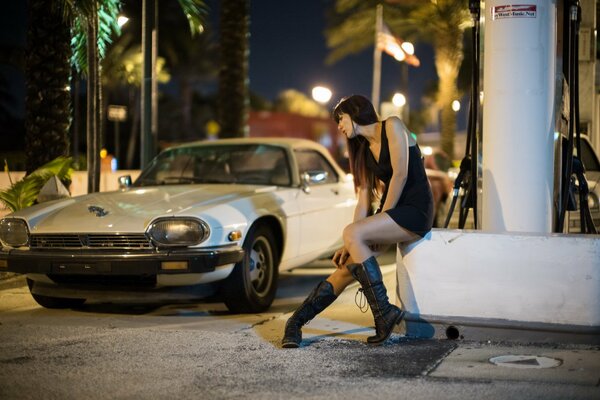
x=520 y=361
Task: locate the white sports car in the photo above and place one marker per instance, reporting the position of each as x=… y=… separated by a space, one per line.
x=203 y=218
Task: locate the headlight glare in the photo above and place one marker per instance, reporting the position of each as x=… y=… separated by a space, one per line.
x=14 y=232
x=178 y=231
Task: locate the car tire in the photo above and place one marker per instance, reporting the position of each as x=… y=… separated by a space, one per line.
x=252 y=284
x=54 y=302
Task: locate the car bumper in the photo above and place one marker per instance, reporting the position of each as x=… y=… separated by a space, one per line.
x=123 y=263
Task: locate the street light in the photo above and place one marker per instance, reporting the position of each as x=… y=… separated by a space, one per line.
x=122 y=20
x=321 y=94
x=456 y=106
x=408 y=48
x=399 y=100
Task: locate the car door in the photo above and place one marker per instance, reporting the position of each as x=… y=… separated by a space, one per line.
x=323 y=206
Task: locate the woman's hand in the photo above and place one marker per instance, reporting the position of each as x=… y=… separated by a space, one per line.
x=340 y=257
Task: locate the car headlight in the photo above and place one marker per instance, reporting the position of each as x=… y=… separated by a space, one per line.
x=14 y=232
x=178 y=231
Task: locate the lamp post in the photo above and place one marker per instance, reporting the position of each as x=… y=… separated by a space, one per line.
x=408 y=49
x=149 y=89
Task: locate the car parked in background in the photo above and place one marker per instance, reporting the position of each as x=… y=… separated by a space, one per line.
x=441 y=186
x=212 y=217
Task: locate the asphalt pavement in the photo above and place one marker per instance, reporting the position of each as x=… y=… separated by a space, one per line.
x=199 y=350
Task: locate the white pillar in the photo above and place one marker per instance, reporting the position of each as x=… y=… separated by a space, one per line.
x=518 y=115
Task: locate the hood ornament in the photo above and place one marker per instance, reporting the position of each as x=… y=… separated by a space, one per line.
x=99 y=211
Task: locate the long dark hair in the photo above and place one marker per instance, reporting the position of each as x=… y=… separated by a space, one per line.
x=362 y=112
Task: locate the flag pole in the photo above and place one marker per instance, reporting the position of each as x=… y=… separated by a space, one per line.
x=377 y=58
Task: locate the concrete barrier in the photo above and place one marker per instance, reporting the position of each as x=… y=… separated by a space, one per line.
x=109 y=181
x=501 y=286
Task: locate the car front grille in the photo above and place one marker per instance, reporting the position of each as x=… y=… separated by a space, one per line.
x=96 y=241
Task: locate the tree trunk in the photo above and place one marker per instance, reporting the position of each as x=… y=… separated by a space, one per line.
x=233 y=97
x=448 y=57
x=48 y=99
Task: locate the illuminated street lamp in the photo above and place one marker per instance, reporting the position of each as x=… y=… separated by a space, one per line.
x=408 y=48
x=321 y=94
x=399 y=100
x=122 y=20
x=456 y=106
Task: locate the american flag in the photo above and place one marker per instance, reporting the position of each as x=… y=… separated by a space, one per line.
x=401 y=51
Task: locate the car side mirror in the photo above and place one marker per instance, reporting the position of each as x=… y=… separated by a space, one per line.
x=315 y=177
x=124 y=181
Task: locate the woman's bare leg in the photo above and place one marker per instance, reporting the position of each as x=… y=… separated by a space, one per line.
x=376 y=229
x=340 y=279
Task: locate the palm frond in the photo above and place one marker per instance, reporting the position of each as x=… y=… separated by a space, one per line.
x=108 y=12
x=24 y=192
x=195 y=11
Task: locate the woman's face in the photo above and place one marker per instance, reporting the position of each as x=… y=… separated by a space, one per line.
x=346 y=126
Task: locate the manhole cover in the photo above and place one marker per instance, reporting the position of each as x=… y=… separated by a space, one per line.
x=519 y=361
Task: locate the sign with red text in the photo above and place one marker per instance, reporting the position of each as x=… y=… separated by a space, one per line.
x=514 y=11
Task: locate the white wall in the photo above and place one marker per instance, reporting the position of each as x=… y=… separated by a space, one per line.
x=108 y=182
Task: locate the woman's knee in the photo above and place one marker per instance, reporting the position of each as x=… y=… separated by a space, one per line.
x=351 y=234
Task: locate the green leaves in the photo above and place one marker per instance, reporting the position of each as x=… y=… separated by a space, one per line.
x=23 y=193
x=80 y=15
x=195 y=11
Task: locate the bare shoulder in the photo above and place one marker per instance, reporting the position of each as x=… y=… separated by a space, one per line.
x=396 y=130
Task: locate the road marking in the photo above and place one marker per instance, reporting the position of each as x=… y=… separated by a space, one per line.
x=523 y=361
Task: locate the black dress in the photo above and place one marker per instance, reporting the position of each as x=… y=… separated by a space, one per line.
x=414 y=210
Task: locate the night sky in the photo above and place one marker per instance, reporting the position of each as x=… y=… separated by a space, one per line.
x=287 y=51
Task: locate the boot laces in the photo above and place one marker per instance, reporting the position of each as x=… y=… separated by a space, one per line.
x=361 y=301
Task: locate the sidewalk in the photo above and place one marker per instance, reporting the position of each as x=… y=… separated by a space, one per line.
x=577 y=365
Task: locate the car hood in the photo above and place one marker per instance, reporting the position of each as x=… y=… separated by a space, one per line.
x=131 y=210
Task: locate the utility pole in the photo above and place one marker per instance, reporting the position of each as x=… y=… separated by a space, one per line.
x=148 y=99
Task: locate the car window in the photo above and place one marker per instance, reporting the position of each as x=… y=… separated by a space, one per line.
x=312 y=160
x=245 y=164
x=590 y=161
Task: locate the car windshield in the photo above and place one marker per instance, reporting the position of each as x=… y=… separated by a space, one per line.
x=256 y=164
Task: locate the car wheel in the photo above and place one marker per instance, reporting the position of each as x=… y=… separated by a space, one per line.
x=252 y=285
x=54 y=302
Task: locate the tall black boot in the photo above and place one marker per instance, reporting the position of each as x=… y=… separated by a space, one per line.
x=318 y=300
x=386 y=315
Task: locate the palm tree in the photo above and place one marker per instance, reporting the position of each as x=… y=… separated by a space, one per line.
x=184 y=51
x=442 y=23
x=48 y=70
x=439 y=22
x=55 y=26
x=233 y=96
x=93 y=21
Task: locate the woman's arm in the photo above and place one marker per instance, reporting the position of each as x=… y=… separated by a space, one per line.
x=398 y=143
x=362 y=205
